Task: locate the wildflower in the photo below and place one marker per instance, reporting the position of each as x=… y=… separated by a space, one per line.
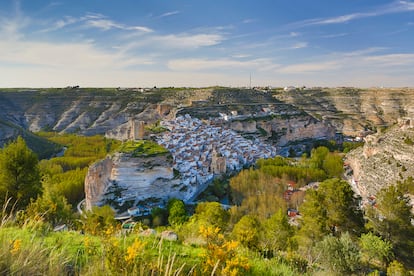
x=87 y=244
x=109 y=231
x=15 y=247
x=134 y=250
x=231 y=245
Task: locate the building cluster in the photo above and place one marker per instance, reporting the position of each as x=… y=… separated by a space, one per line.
x=202 y=149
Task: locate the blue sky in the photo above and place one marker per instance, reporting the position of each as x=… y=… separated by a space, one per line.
x=134 y=43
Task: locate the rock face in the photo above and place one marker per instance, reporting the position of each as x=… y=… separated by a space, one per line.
x=126 y=178
x=83 y=111
x=352 y=110
x=97 y=181
x=285 y=130
x=384 y=159
x=107 y=111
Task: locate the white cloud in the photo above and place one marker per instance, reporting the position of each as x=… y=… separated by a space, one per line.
x=61 y=23
x=64 y=55
x=106 y=24
x=300 y=45
x=169 y=14
x=199 y=64
x=94 y=20
x=249 y=20
x=365 y=62
x=395 y=7
x=189 y=41
x=241 y=56
x=389 y=60
x=334 y=35
x=310 y=67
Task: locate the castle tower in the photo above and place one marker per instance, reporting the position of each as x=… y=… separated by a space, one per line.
x=137 y=129
x=218 y=163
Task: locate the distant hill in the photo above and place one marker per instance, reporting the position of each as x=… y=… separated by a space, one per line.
x=42 y=147
x=90 y=111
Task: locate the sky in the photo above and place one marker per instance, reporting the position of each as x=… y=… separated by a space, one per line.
x=193 y=43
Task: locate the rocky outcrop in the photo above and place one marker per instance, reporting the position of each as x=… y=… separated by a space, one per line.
x=97 y=181
x=353 y=110
x=282 y=130
x=384 y=159
x=123 y=178
x=244 y=126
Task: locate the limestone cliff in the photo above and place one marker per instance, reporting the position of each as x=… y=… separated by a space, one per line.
x=352 y=110
x=384 y=159
x=122 y=178
x=97 y=181
x=281 y=131
x=89 y=111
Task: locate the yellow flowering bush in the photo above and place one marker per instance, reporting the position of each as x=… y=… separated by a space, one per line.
x=134 y=251
x=15 y=246
x=221 y=256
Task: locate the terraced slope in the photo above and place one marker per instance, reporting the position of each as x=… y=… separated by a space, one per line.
x=353 y=110
x=91 y=111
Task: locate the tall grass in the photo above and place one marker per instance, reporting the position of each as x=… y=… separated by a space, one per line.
x=32 y=248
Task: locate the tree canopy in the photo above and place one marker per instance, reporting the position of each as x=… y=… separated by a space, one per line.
x=19 y=174
x=332 y=208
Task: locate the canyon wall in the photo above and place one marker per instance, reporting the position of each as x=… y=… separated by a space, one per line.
x=97 y=182
x=107 y=111
x=353 y=110
x=384 y=159
x=125 y=178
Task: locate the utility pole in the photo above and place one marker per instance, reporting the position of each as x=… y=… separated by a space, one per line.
x=250 y=81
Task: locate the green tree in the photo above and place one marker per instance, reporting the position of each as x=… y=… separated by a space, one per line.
x=375 y=249
x=333 y=165
x=247 y=230
x=391 y=219
x=19 y=174
x=52 y=208
x=332 y=208
x=177 y=214
x=276 y=232
x=159 y=216
x=212 y=214
x=99 y=220
x=318 y=156
x=339 y=255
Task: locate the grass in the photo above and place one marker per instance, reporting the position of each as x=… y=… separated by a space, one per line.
x=31 y=250
x=142 y=148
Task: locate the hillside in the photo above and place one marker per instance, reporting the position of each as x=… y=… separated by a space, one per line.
x=384 y=159
x=90 y=111
x=353 y=110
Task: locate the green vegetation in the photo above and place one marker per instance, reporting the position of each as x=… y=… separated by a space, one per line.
x=42 y=147
x=155 y=128
x=408 y=141
x=19 y=174
x=142 y=148
x=64 y=176
x=391 y=220
x=254 y=237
